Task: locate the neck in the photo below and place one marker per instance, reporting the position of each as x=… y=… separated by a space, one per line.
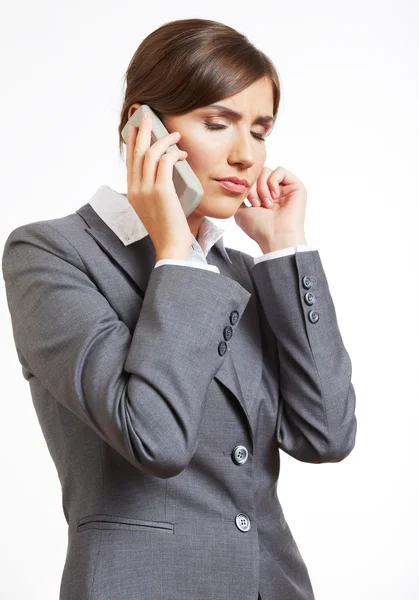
x=194 y=222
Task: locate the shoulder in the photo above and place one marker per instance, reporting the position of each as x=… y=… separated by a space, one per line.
x=60 y=225
x=50 y=235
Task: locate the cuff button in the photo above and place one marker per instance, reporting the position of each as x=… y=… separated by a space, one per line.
x=313 y=316
x=228 y=332
x=306 y=281
x=234 y=317
x=222 y=348
x=309 y=298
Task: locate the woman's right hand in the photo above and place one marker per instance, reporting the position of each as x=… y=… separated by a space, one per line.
x=151 y=191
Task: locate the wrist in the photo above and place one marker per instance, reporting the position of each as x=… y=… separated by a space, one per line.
x=176 y=253
x=279 y=242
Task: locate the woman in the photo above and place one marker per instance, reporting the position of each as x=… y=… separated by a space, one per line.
x=165 y=392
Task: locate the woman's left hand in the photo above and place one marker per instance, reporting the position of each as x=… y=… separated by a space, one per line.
x=281 y=223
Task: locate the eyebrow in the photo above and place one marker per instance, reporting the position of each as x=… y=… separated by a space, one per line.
x=264 y=120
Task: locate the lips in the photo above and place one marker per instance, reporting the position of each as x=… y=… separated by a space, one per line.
x=231 y=186
x=235 y=180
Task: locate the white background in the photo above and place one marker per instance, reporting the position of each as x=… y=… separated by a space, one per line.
x=348 y=128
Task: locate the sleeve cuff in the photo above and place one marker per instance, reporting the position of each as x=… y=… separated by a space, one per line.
x=283 y=252
x=186 y=263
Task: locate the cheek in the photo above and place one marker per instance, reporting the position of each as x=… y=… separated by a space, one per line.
x=260 y=163
x=201 y=154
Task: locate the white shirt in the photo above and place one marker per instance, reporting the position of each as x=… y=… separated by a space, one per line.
x=116 y=211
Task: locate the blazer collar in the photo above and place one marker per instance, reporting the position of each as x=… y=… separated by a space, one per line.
x=119 y=215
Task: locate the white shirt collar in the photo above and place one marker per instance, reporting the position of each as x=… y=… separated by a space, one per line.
x=115 y=210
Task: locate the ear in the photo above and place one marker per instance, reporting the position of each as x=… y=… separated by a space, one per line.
x=132 y=109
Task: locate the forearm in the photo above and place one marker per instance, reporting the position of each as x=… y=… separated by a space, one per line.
x=281 y=241
x=317 y=421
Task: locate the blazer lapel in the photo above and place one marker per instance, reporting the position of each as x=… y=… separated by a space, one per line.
x=245 y=348
x=242 y=366
x=136 y=259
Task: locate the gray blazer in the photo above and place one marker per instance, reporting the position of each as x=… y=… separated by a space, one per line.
x=164 y=396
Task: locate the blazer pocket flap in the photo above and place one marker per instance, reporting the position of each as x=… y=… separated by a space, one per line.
x=101 y=521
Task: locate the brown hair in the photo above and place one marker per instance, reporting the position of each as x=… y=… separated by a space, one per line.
x=190 y=63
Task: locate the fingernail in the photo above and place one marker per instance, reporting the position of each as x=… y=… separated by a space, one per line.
x=268 y=201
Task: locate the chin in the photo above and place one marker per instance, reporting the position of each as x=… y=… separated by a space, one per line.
x=222 y=213
x=221 y=208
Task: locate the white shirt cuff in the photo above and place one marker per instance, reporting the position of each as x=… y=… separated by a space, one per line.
x=186 y=263
x=283 y=252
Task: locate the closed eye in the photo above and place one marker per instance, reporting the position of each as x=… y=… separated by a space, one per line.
x=215 y=127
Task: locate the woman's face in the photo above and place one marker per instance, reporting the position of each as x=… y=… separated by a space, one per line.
x=234 y=150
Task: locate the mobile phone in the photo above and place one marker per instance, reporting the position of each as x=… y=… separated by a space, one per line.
x=187 y=185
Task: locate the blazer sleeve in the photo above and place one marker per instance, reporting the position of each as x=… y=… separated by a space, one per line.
x=142 y=393
x=316 y=418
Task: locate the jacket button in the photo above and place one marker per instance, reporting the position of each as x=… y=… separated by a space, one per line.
x=228 y=332
x=234 y=317
x=243 y=522
x=309 y=298
x=306 y=281
x=240 y=455
x=222 y=348
x=313 y=316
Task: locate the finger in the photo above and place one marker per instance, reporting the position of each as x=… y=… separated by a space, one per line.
x=263 y=190
x=286 y=190
x=154 y=154
x=254 y=201
x=165 y=167
x=132 y=135
x=281 y=177
x=142 y=142
x=253 y=196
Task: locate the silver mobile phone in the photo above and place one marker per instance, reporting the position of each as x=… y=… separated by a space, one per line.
x=187 y=185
